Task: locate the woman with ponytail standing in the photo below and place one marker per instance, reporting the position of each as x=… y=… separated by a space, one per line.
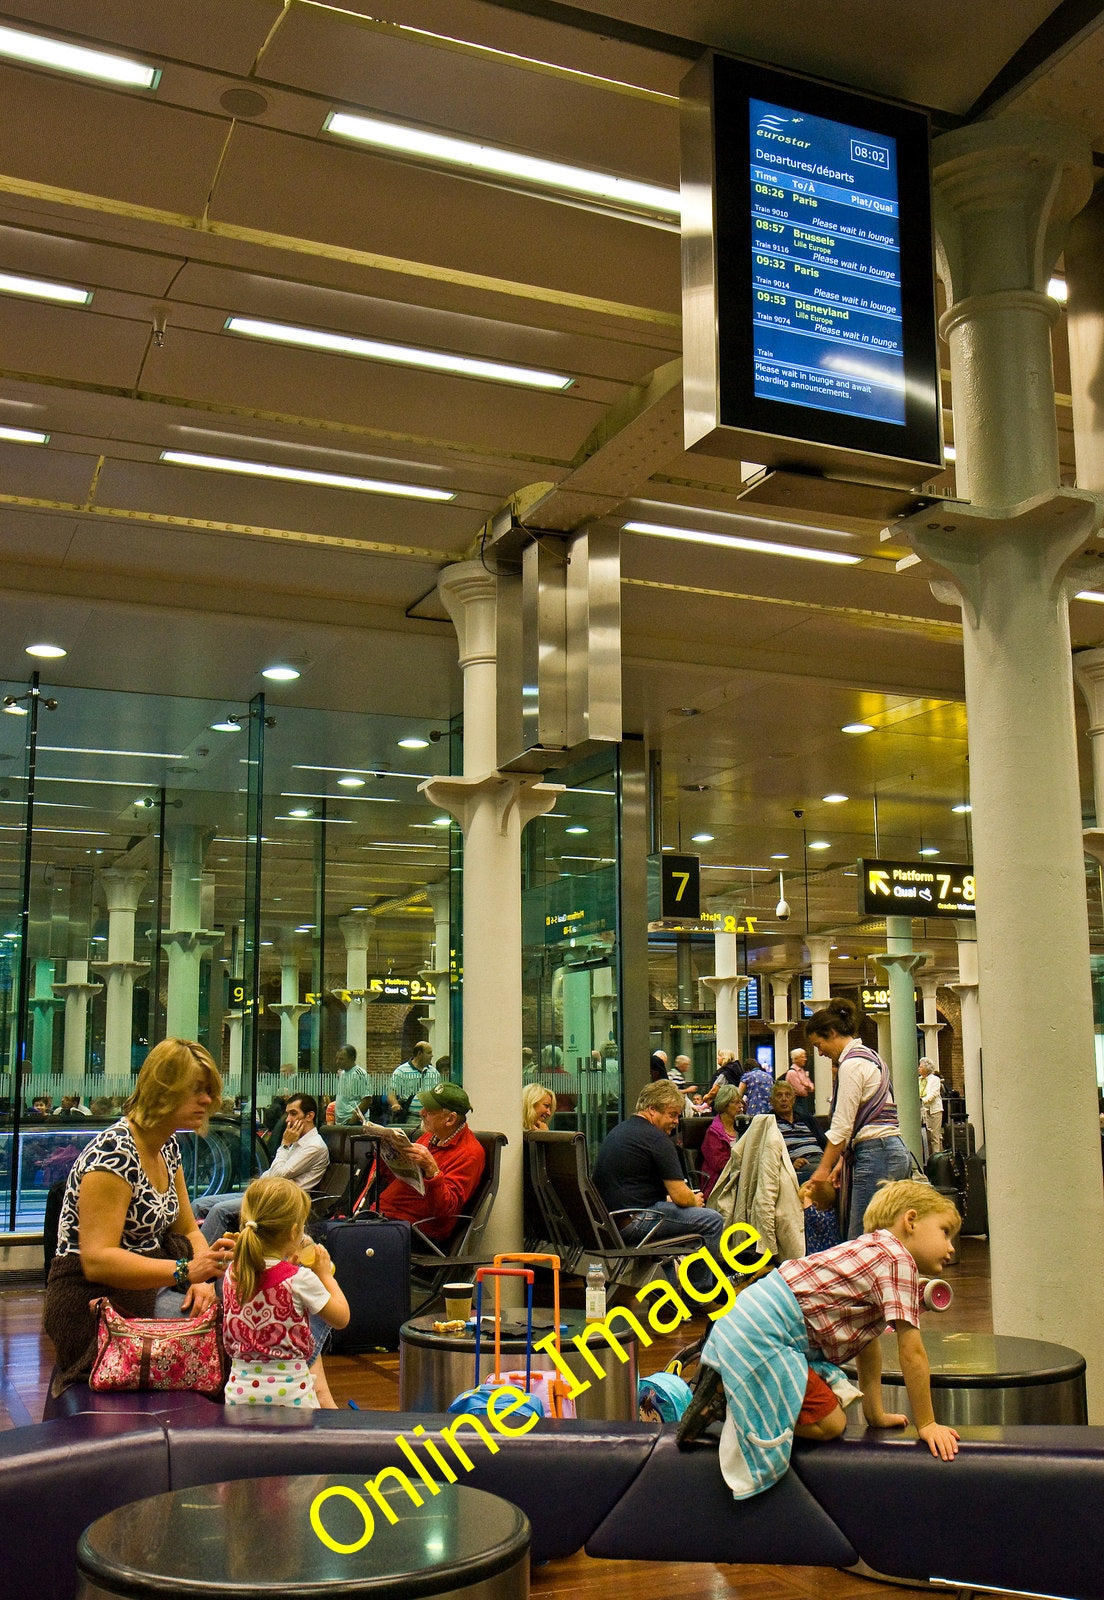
x=864 y=1129
x=277 y=1279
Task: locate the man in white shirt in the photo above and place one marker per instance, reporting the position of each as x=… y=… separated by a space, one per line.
x=354 y=1090
x=303 y=1157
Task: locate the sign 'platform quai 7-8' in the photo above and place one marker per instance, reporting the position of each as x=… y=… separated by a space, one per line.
x=903 y=889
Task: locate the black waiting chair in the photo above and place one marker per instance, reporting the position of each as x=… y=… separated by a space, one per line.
x=693 y=1133
x=561 y=1173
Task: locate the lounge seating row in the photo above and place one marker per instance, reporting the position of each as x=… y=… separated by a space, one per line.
x=1019 y=1509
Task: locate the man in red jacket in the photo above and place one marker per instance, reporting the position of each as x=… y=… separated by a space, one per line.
x=451 y=1161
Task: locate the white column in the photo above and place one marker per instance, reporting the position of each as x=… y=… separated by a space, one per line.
x=900 y=962
x=929 y=983
x=1005 y=190
x=885 y=1039
x=726 y=985
x=76 y=992
x=819 y=948
x=121 y=889
x=187 y=941
x=780 y=1023
x=356 y=930
x=437 y=969
x=967 y=991
x=492 y=808
x=290 y=1008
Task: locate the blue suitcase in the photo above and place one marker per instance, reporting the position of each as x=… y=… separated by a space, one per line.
x=371 y=1258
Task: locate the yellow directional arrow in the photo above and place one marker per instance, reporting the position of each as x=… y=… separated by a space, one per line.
x=879 y=882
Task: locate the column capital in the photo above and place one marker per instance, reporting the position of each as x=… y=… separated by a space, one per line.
x=520 y=797
x=819 y=946
x=469 y=593
x=1093 y=839
x=356 y=930
x=121 y=887
x=780 y=983
x=1004 y=191
x=907 y=961
x=720 y=984
x=1088 y=674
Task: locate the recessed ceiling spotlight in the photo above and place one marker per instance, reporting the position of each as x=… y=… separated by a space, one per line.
x=48 y=652
x=780 y=855
x=351 y=783
x=101 y=65
x=14 y=710
x=300 y=811
x=857 y=727
x=929 y=850
x=413 y=743
x=843 y=956
x=834 y=799
x=695 y=838
x=819 y=844
x=280 y=674
x=961 y=809
x=226 y=726
x=577 y=828
x=442 y=822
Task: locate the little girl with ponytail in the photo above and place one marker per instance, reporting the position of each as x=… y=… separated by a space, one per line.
x=268 y=1296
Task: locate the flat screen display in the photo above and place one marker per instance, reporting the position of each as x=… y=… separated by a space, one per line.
x=825 y=265
x=808 y=276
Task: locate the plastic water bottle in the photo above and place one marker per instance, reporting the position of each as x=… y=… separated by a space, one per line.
x=595 y=1292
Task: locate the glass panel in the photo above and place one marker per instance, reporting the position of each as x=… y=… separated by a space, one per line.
x=569 y=950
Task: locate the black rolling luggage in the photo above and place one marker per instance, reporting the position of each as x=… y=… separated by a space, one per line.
x=944 y=1173
x=959 y=1137
x=975 y=1210
x=371 y=1258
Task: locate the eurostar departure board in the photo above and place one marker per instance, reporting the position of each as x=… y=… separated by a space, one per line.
x=808 y=277
x=825 y=265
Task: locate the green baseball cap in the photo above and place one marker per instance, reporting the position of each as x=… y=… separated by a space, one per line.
x=446 y=1097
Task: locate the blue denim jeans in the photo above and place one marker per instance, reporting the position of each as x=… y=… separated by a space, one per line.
x=875 y=1159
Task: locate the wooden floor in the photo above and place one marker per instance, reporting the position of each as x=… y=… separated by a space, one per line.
x=373 y=1382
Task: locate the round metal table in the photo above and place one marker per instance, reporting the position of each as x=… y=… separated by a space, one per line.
x=254 y=1538
x=434 y=1368
x=986 y=1378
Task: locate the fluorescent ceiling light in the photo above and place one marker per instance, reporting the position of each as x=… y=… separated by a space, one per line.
x=413 y=744
x=929 y=850
x=500 y=163
x=857 y=727
x=353 y=799
x=819 y=844
x=369 y=772
x=38 y=51
x=280 y=674
x=834 y=799
x=779 y=855
x=695 y=838
x=402 y=355
x=578 y=828
x=438 y=822
x=732 y=541
x=326 y=480
x=1090 y=594
x=47 y=652
x=960 y=810
x=41 y=289
x=86 y=750
x=351 y=783
x=24 y=436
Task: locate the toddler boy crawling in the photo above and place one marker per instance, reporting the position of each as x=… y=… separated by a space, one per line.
x=779 y=1349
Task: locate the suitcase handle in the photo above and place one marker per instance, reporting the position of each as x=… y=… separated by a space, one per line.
x=554 y=1262
x=498 y=1272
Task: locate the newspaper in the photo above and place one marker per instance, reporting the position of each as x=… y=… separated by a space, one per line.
x=393 y=1148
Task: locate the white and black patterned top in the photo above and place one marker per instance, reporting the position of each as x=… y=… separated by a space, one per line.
x=149 y=1214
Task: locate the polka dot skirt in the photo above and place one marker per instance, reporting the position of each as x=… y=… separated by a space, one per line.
x=271 y=1383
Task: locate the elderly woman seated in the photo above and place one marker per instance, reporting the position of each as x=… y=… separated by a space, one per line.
x=804 y=1143
x=720 y=1135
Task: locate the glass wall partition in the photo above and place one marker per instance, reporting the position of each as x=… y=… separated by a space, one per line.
x=570 y=942
x=268 y=881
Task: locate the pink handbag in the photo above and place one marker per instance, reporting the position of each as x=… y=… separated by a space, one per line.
x=158 y=1353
